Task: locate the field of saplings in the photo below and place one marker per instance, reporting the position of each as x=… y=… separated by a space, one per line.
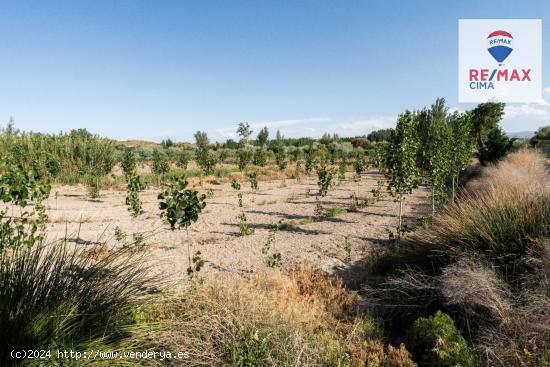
x=422 y=245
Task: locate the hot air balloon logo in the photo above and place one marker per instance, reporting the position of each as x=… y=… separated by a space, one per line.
x=500 y=45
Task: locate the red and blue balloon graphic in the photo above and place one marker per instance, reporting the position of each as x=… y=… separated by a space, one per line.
x=500 y=45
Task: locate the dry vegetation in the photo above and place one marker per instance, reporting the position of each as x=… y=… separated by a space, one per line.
x=485 y=260
x=301 y=317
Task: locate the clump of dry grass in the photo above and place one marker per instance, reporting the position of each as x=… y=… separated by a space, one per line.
x=299 y=318
x=486 y=296
x=378 y=356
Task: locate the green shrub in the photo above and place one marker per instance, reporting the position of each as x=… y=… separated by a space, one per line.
x=57 y=297
x=57 y=156
x=249 y=350
x=439 y=343
x=19 y=187
x=496 y=146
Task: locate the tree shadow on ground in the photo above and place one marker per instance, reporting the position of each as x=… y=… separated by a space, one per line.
x=298 y=217
x=286 y=228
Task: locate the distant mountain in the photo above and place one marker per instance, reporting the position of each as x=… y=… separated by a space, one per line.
x=521 y=134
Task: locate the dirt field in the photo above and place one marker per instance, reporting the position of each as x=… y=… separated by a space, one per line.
x=89 y=222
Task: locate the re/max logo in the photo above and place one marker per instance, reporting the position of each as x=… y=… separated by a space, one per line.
x=487 y=75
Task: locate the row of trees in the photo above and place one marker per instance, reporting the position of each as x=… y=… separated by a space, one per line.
x=434 y=146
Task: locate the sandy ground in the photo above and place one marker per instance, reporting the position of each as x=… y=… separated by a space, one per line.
x=89 y=222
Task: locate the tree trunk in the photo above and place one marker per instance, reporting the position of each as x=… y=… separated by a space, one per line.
x=400 y=216
x=433 y=199
x=453 y=179
x=188 y=247
x=453 y=184
x=479 y=141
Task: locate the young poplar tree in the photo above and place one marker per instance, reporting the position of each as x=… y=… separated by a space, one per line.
x=205 y=159
x=128 y=162
x=461 y=146
x=401 y=171
x=180 y=207
x=280 y=154
x=310 y=154
x=245 y=152
x=260 y=157
x=434 y=152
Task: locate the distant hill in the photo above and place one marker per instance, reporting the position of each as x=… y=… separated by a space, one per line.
x=137 y=143
x=521 y=134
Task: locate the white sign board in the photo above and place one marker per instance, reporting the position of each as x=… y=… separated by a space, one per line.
x=499 y=60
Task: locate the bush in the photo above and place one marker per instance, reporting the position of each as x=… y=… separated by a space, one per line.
x=249 y=350
x=439 y=342
x=55 y=297
x=59 y=156
x=20 y=188
x=496 y=146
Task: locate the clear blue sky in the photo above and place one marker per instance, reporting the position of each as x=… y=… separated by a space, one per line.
x=156 y=69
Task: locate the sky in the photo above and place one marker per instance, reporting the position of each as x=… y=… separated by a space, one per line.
x=164 y=69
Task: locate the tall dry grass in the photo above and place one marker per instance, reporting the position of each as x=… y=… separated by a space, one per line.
x=300 y=318
x=503 y=216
